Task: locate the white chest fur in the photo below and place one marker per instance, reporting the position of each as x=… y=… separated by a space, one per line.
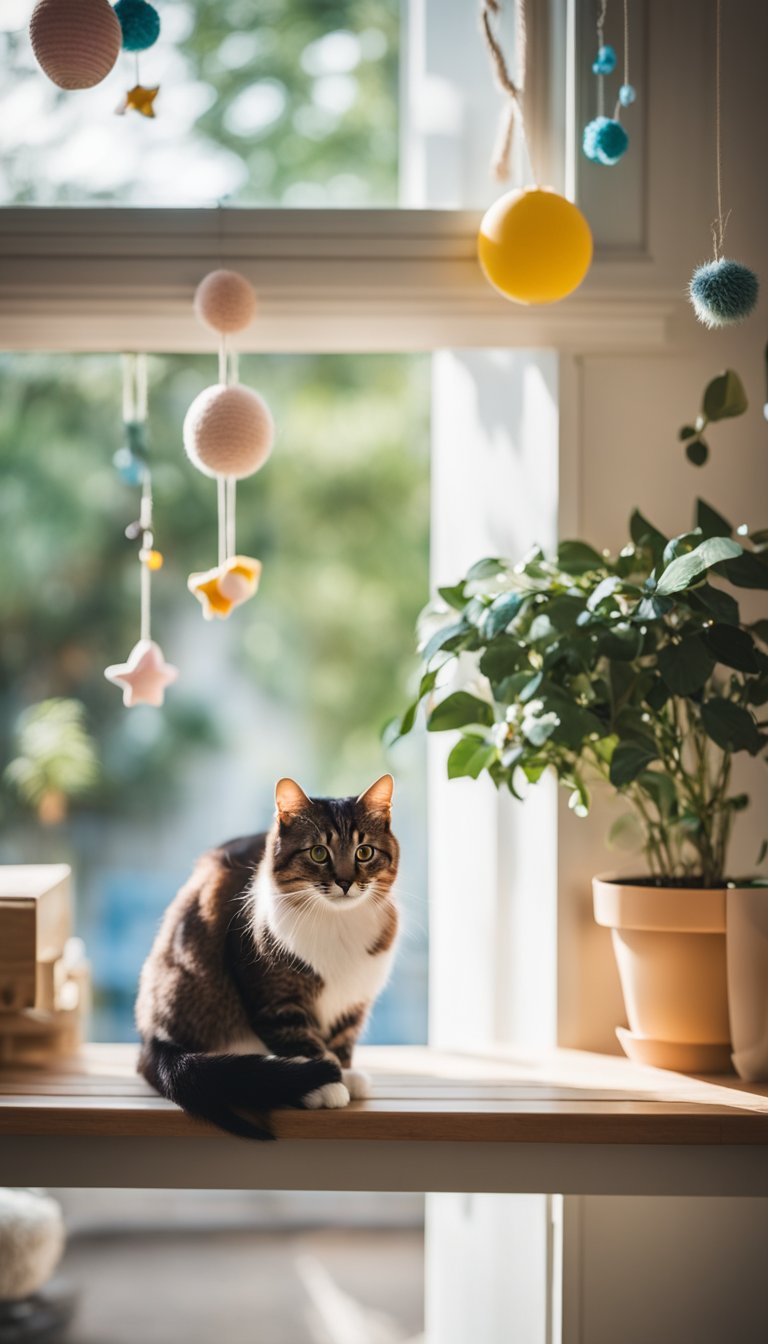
x=334 y=941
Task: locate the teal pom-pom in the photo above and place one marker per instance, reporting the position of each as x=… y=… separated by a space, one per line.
x=723 y=292
x=130 y=469
x=140 y=23
x=605 y=140
x=627 y=95
x=605 y=62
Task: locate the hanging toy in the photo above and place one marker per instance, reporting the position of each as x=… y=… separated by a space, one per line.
x=534 y=246
x=140 y=29
x=722 y=291
x=605 y=140
x=228 y=435
x=145 y=675
x=76 y=42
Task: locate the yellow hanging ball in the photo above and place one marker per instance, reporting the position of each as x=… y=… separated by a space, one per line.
x=534 y=246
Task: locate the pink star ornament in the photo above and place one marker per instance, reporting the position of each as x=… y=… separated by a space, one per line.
x=144 y=676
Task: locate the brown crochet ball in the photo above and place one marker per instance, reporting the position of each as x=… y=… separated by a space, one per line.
x=228 y=431
x=76 y=42
x=225 y=301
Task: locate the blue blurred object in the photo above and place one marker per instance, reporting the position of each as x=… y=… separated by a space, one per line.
x=627 y=95
x=605 y=61
x=723 y=292
x=130 y=468
x=605 y=141
x=140 y=23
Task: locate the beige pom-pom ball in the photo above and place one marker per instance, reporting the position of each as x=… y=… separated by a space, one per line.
x=76 y=42
x=31 y=1242
x=228 y=431
x=225 y=301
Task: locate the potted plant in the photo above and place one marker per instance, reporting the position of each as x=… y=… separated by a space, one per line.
x=636 y=670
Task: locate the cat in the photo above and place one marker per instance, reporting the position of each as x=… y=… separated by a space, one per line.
x=268 y=960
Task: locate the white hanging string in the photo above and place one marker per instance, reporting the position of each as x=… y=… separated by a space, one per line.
x=721 y=223
x=231 y=488
x=147 y=542
x=601 y=43
x=134 y=388
x=221 y=495
x=617 y=109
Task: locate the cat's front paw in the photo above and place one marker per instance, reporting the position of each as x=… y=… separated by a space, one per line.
x=357 y=1083
x=332 y=1096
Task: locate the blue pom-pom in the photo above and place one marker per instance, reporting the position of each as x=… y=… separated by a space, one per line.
x=140 y=23
x=130 y=469
x=627 y=95
x=605 y=140
x=723 y=292
x=605 y=61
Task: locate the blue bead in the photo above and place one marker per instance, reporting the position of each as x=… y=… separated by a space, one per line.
x=605 y=141
x=140 y=23
x=723 y=292
x=130 y=469
x=627 y=95
x=605 y=62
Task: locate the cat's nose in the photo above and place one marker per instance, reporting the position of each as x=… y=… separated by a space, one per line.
x=345 y=883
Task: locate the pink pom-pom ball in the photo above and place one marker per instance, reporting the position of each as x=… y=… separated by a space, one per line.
x=225 y=301
x=76 y=42
x=228 y=431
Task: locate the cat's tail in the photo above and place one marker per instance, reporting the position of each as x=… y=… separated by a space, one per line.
x=218 y=1087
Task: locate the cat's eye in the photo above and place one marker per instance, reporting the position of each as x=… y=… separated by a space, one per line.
x=318 y=854
x=364 y=853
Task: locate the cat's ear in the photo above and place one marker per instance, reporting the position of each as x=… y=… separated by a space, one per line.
x=378 y=798
x=290 y=798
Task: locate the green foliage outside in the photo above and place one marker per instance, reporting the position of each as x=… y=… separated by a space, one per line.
x=339 y=517
x=634 y=669
x=262 y=102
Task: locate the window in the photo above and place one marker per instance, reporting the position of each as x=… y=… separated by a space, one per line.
x=340 y=519
x=287 y=102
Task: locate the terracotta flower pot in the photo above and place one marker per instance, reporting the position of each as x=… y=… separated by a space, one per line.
x=669 y=944
x=747 y=940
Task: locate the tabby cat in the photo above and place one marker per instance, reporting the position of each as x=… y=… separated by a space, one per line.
x=268 y=961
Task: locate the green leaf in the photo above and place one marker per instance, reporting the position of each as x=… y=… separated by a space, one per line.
x=450 y=637
x=715 y=602
x=724 y=397
x=531 y=687
x=484 y=569
x=457 y=710
x=682 y=571
x=606 y=588
x=730 y=726
x=469 y=758
x=626 y=833
x=712 y=523
x=697 y=452
x=454 y=596
x=760 y=629
x=646 y=535
x=628 y=760
x=503 y=657
x=686 y=665
x=761 y=853
x=687 y=432
x=732 y=647
x=501 y=611
x=747 y=570
x=661 y=789
x=576 y=557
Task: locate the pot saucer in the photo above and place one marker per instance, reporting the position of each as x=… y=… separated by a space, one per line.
x=681 y=1056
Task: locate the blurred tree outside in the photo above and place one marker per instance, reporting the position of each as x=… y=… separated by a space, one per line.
x=299 y=679
x=262 y=102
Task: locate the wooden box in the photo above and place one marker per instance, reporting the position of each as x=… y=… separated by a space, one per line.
x=35 y=923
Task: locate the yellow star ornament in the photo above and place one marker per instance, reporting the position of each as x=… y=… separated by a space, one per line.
x=139 y=99
x=227 y=586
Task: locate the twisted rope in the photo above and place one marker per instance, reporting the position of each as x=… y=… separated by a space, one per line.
x=512 y=114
